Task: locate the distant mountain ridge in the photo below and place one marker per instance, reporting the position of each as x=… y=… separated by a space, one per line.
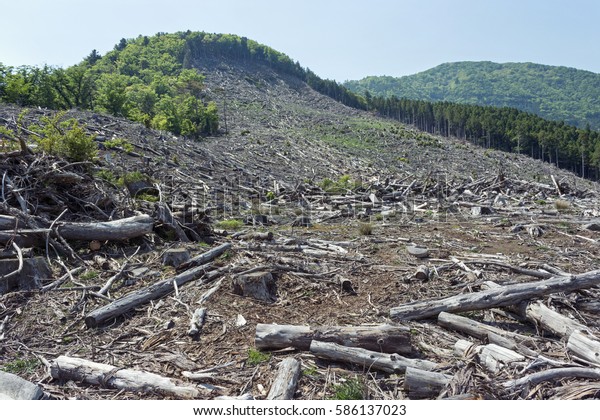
x=553 y=92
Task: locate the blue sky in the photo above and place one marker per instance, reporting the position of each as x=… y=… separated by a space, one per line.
x=337 y=39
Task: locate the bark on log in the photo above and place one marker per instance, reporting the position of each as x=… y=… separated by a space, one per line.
x=206 y=257
x=551 y=320
x=390 y=363
x=115 y=230
x=424 y=384
x=502 y=296
x=583 y=345
x=139 y=297
x=422 y=273
x=81 y=370
x=285 y=383
x=474 y=328
x=9 y=222
x=380 y=338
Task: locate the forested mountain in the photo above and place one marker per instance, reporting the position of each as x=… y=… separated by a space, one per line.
x=158 y=81
x=556 y=93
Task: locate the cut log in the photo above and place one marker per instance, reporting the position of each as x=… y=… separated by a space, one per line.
x=492 y=356
x=116 y=230
x=9 y=222
x=583 y=345
x=390 y=363
x=142 y=296
x=420 y=383
x=502 y=296
x=474 y=328
x=205 y=257
x=422 y=273
x=380 y=338
x=551 y=320
x=285 y=383
x=81 y=370
x=553 y=375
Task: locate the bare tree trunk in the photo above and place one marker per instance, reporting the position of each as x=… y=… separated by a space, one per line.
x=502 y=296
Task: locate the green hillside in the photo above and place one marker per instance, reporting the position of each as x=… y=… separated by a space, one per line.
x=556 y=93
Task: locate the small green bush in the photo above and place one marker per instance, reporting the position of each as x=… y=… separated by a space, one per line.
x=66 y=139
x=365 y=229
x=256 y=357
x=352 y=389
x=230 y=224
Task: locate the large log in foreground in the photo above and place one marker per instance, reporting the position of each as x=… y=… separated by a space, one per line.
x=501 y=296
x=380 y=338
x=390 y=363
x=81 y=370
x=285 y=383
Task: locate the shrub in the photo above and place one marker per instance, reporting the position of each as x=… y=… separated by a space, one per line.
x=365 y=229
x=352 y=389
x=66 y=139
x=256 y=357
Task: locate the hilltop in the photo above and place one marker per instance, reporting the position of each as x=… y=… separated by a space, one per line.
x=334 y=216
x=552 y=92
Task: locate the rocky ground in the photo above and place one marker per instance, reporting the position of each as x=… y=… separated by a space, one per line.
x=332 y=202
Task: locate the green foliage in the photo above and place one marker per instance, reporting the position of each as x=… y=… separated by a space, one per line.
x=21 y=366
x=130 y=178
x=555 y=93
x=230 y=224
x=256 y=357
x=351 y=389
x=365 y=229
x=119 y=144
x=344 y=184
x=65 y=138
x=89 y=275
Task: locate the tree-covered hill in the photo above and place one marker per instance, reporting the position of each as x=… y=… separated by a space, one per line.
x=556 y=93
x=152 y=80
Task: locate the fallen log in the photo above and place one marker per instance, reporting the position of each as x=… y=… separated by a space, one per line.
x=501 y=296
x=81 y=370
x=390 y=363
x=551 y=320
x=492 y=356
x=205 y=257
x=475 y=328
x=380 y=338
x=420 y=383
x=116 y=230
x=139 y=297
x=584 y=347
x=285 y=383
x=553 y=375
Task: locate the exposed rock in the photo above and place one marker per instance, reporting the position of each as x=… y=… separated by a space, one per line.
x=13 y=387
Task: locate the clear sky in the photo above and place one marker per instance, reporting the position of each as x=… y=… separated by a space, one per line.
x=337 y=39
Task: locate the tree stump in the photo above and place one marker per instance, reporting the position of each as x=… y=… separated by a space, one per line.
x=259 y=285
